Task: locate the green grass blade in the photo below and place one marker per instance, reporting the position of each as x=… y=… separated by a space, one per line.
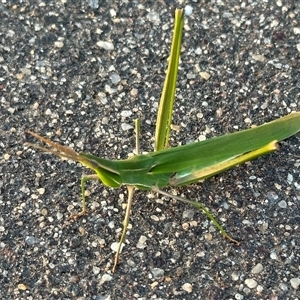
x=164 y=115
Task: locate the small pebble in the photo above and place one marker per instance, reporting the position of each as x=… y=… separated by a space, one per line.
x=296 y=30
x=59 y=216
x=295 y=283
x=273 y=255
x=58 y=44
x=208 y=237
x=290 y=178
x=257 y=269
x=93 y=4
x=141 y=244
x=126 y=126
x=185 y=226
x=157 y=273
x=259 y=288
x=111 y=224
x=126 y=113
x=131 y=263
x=251 y=283
x=6 y=156
x=114 y=247
x=96 y=270
x=204 y=75
x=283 y=286
x=41 y=191
x=153 y=17
x=22 y=287
x=31 y=240
x=282 y=204
x=235 y=276
x=248 y=121
x=134 y=92
x=105 y=278
x=188 y=10
x=188 y=213
x=258 y=57
x=115 y=78
x=44 y=212
x=154 y=218
x=105 y=45
x=187 y=287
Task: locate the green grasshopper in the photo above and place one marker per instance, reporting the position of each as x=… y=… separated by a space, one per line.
x=181 y=165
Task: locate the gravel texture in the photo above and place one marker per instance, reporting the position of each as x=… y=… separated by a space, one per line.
x=80 y=72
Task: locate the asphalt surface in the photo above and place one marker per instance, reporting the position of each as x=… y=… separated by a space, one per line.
x=80 y=72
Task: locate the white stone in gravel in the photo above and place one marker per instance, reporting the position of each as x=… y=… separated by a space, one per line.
x=115 y=78
x=235 y=276
x=105 y=278
x=58 y=44
x=48 y=112
x=187 y=287
x=154 y=218
x=188 y=213
x=131 y=263
x=248 y=121
x=113 y=13
x=273 y=255
x=274 y=23
x=104 y=121
x=109 y=89
x=298 y=47
x=204 y=75
x=59 y=216
x=290 y=178
x=251 y=283
x=96 y=270
x=114 y=247
x=94 y=4
x=111 y=224
x=188 y=10
x=106 y=45
x=198 y=51
x=157 y=273
x=258 y=57
x=134 y=92
x=283 y=286
x=295 y=283
x=153 y=17
x=41 y=191
x=141 y=244
x=296 y=30
x=282 y=204
x=126 y=113
x=208 y=237
x=126 y=126
x=260 y=288
x=102 y=97
x=257 y=269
